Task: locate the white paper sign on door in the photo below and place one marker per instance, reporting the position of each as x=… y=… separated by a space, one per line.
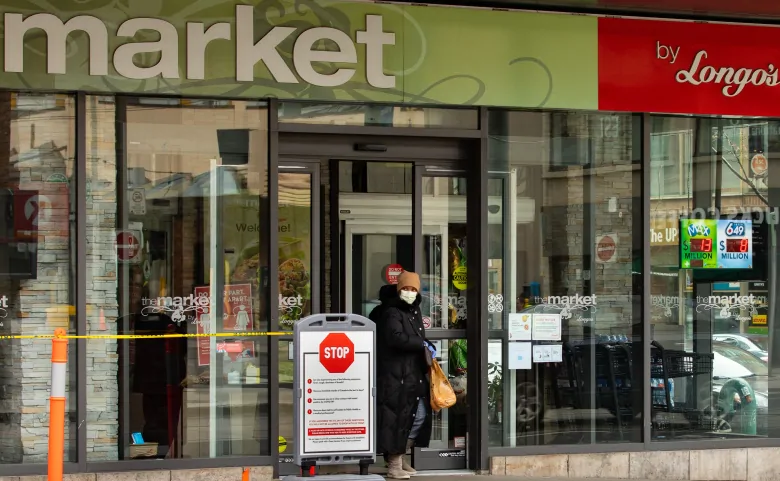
x=519 y=354
x=336 y=410
x=546 y=327
x=520 y=326
x=548 y=353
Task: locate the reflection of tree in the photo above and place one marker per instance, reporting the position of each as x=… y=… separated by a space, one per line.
x=741 y=173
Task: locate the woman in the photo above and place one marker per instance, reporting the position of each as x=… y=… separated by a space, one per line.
x=403 y=406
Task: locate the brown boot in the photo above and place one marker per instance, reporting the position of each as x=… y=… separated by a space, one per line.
x=404 y=465
x=394 y=470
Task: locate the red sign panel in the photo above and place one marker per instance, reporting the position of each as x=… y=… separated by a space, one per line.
x=238 y=308
x=392 y=272
x=236 y=316
x=127 y=246
x=27 y=213
x=605 y=249
x=337 y=353
x=685 y=67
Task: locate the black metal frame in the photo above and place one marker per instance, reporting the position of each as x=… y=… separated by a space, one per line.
x=438 y=150
x=477 y=333
x=313 y=170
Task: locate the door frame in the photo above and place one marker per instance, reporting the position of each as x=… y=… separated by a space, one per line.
x=323 y=145
x=304 y=166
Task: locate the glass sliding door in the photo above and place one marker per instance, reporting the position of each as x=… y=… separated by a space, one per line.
x=445 y=280
x=299 y=274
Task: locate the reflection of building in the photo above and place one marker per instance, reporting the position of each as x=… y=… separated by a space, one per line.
x=740 y=149
x=37 y=171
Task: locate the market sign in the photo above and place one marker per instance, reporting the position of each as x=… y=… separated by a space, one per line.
x=384 y=52
x=327 y=50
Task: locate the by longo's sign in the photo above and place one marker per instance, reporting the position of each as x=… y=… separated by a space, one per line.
x=341 y=50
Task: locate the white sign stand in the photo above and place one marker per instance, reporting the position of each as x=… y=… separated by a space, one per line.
x=334 y=401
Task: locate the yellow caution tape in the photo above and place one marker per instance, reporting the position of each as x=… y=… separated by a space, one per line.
x=148 y=336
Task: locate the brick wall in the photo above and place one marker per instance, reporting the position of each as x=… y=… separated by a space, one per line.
x=103 y=305
x=610 y=177
x=36 y=148
x=10 y=351
x=537 y=140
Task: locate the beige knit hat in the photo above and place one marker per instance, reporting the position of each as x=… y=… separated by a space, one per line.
x=408 y=279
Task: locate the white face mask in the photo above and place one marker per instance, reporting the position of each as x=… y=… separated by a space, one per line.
x=408 y=296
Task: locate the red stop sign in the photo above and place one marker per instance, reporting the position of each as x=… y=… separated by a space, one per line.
x=337 y=353
x=127 y=246
x=605 y=249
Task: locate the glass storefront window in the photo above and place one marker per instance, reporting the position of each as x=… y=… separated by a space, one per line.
x=177 y=208
x=717 y=320
x=37 y=268
x=564 y=279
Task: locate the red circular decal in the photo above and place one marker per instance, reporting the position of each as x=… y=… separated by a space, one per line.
x=427 y=322
x=759 y=165
x=392 y=272
x=127 y=246
x=606 y=248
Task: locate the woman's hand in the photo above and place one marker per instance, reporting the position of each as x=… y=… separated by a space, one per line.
x=430 y=347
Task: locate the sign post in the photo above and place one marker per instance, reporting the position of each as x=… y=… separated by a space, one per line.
x=334 y=397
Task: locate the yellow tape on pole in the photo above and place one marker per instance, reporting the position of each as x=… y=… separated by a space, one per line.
x=147 y=336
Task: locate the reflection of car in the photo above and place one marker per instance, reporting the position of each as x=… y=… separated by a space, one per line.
x=731 y=362
x=755 y=345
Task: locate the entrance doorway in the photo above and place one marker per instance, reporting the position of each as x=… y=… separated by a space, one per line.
x=369 y=216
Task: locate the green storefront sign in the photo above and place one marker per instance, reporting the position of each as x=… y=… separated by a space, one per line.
x=328 y=51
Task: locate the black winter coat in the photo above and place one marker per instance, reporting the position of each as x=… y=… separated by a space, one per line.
x=386 y=294
x=402 y=376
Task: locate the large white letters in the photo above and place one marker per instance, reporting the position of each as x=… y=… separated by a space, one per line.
x=313 y=49
x=734 y=80
x=197 y=41
x=248 y=53
x=375 y=39
x=56 y=39
x=168 y=46
x=304 y=55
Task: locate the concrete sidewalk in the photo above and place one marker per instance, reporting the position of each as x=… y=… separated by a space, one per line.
x=476 y=477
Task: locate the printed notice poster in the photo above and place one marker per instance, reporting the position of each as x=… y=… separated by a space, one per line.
x=519 y=354
x=237 y=312
x=546 y=327
x=520 y=327
x=548 y=353
x=237 y=315
x=336 y=409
